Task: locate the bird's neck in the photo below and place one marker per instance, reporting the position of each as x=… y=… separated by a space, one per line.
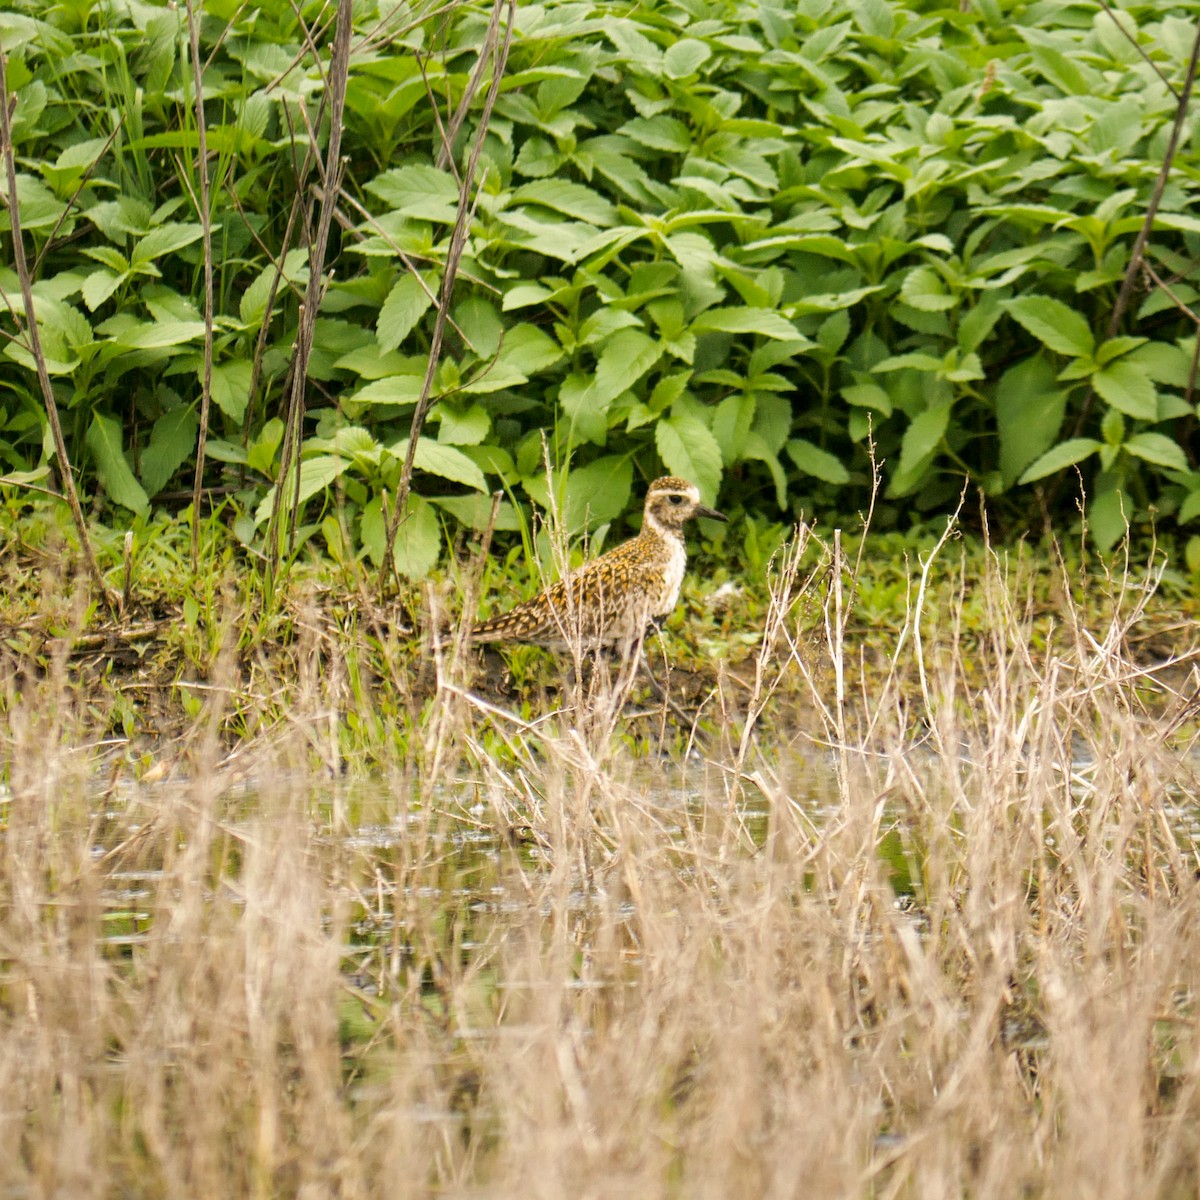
x=653 y=527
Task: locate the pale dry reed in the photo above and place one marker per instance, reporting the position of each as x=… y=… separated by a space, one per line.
x=932 y=935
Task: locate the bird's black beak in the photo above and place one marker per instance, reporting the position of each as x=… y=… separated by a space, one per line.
x=711 y=513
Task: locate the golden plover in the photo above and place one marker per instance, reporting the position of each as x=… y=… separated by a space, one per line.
x=611 y=600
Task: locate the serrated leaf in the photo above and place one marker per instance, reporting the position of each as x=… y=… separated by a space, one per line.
x=597 y=493
x=391 y=389
x=231 y=387
x=1055 y=325
x=99 y=286
x=659 y=133
x=1189 y=510
x=685 y=57
x=743 y=319
x=570 y=199
x=1029 y=412
x=25 y=478
x=418 y=191
x=1158 y=449
x=165 y=239
x=924 y=290
x=159 y=335
x=868 y=395
x=172 y=441
x=732 y=421
x=1057 y=458
x=474 y=511
x=923 y=436
x=418 y=536
x=406 y=303
x=688 y=449
x=447 y=462
x=253 y=305
x=528 y=349
x=624 y=359
x=757 y=450
x=1125 y=387
x=462 y=427
x=103 y=440
x=814 y=461
x=480 y=324
x=316 y=474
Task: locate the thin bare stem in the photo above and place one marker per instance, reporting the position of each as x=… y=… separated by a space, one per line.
x=458 y=241
x=331 y=169
x=1137 y=256
x=194 y=8
x=35 y=342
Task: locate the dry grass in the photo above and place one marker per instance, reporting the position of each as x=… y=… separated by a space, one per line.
x=945 y=942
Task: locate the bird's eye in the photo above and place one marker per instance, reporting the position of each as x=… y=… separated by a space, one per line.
x=675 y=498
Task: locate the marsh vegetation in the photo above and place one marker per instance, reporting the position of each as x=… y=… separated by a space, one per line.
x=934 y=935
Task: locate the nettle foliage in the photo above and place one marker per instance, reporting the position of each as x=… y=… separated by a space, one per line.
x=738 y=241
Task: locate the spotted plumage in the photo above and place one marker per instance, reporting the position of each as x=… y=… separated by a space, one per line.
x=611 y=600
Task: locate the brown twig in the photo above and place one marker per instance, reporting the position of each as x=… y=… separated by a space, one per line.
x=1141 y=50
x=1139 y=246
x=193 y=11
x=458 y=241
x=331 y=171
x=21 y=266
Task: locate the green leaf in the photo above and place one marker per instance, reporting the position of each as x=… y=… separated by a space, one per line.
x=172 y=441
x=685 y=57
x=1189 y=510
x=22 y=479
x=757 y=450
x=103 y=440
x=252 y=307
x=316 y=474
x=923 y=289
x=418 y=191
x=1163 y=362
x=165 y=240
x=158 y=335
x=1055 y=325
x=923 y=436
x=814 y=461
x=447 y=462
x=868 y=395
x=764 y=321
x=1029 y=413
x=480 y=324
x=98 y=286
x=474 y=511
x=528 y=350
x=570 y=199
x=391 y=389
x=406 y=303
x=625 y=358
x=1127 y=388
x=462 y=427
x=659 y=133
x=1065 y=454
x=1158 y=449
x=688 y=449
x=731 y=425
x=418 y=536
x=231 y=387
x=1109 y=510
x=597 y=493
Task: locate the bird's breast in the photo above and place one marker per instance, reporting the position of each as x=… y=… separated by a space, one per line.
x=672 y=579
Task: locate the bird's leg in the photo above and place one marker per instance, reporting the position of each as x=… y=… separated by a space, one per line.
x=659 y=690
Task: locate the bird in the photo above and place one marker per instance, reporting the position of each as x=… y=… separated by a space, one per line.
x=610 y=601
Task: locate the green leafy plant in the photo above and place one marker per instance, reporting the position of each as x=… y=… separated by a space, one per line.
x=744 y=245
